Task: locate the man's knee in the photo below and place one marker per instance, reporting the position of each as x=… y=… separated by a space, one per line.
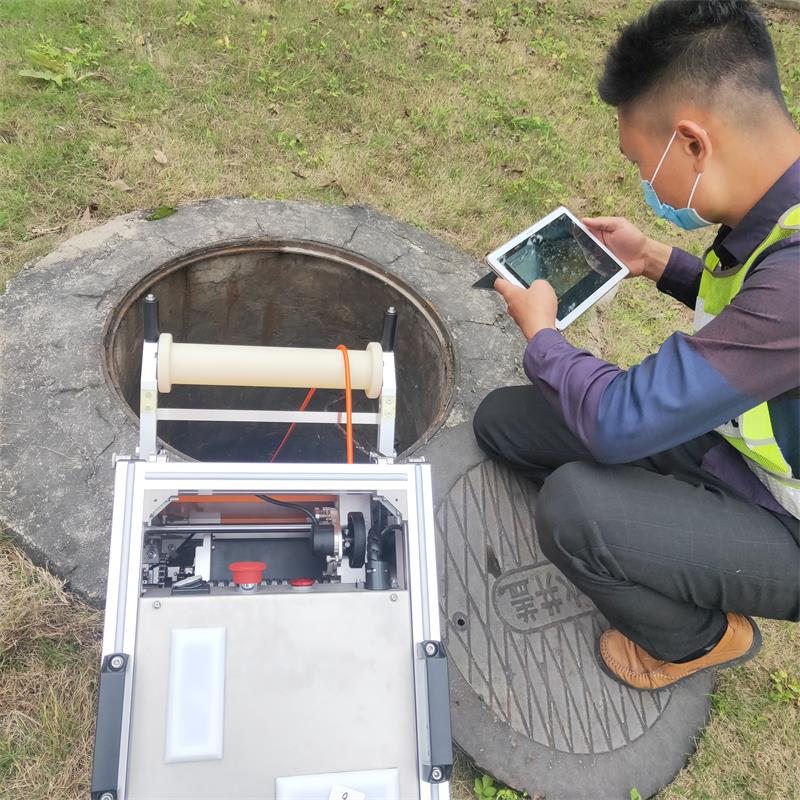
x=562 y=511
x=486 y=421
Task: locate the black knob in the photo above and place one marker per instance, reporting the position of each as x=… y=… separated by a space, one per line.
x=389 y=329
x=150 y=318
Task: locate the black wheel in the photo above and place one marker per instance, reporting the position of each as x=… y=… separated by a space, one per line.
x=357 y=537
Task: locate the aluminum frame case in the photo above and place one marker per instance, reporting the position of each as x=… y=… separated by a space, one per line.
x=142 y=488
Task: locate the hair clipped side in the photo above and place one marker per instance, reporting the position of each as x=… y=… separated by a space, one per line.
x=698 y=42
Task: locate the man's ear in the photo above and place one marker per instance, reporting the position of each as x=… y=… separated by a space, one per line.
x=695 y=141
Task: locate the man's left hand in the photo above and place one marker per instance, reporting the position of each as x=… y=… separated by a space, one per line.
x=533 y=309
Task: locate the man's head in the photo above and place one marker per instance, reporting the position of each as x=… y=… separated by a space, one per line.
x=706 y=71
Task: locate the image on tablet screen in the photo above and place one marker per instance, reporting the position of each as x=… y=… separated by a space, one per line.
x=564 y=255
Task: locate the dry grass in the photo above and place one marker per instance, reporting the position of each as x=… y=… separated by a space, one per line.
x=49 y=652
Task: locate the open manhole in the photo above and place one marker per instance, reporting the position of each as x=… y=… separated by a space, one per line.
x=288 y=294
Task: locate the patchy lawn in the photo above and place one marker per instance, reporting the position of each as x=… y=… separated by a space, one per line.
x=468 y=118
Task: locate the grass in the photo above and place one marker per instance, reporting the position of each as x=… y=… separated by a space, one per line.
x=469 y=118
x=49 y=653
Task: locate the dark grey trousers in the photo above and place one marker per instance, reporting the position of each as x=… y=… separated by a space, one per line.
x=661 y=546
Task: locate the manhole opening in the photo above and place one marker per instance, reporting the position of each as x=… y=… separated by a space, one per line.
x=290 y=294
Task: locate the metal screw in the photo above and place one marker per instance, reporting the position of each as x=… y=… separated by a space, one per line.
x=116 y=662
x=157 y=604
x=106 y=796
x=393 y=597
x=430 y=650
x=436 y=774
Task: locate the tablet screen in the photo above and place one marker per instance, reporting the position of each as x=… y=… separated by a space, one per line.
x=564 y=255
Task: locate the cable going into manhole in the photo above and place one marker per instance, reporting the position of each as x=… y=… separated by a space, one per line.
x=348 y=400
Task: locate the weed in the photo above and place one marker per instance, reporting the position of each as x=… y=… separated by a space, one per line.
x=513 y=14
x=293 y=144
x=160 y=212
x=188 y=19
x=784 y=688
x=59 y=65
x=487 y=789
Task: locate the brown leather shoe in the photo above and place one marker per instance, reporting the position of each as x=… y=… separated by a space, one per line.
x=627 y=663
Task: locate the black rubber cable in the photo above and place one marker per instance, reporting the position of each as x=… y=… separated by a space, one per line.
x=186 y=541
x=293 y=506
x=375 y=542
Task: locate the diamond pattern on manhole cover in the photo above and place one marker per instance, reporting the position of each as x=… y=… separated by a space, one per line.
x=519 y=633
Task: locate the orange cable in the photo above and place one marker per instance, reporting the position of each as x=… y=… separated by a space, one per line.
x=293 y=425
x=348 y=402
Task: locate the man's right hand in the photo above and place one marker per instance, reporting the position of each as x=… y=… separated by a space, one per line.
x=642 y=255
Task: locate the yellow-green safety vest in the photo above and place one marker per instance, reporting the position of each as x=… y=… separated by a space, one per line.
x=751 y=433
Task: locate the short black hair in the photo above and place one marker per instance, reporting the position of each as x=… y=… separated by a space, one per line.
x=694 y=43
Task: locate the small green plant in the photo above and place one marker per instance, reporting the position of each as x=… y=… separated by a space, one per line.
x=394 y=8
x=187 y=20
x=343 y=7
x=514 y=14
x=784 y=688
x=160 y=212
x=486 y=789
x=61 y=65
x=502 y=18
x=634 y=793
x=724 y=705
x=506 y=793
x=544 y=45
x=293 y=144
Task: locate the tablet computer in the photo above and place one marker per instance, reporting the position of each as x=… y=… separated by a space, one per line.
x=559 y=249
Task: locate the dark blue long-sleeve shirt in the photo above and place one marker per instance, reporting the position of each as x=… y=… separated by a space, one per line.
x=748 y=354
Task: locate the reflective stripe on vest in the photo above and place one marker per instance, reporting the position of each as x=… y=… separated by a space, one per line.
x=752 y=433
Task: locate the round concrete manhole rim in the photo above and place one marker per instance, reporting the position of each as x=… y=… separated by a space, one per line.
x=305 y=247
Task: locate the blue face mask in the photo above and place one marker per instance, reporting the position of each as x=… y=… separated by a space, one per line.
x=686 y=218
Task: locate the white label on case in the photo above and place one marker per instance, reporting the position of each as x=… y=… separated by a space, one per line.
x=196 y=695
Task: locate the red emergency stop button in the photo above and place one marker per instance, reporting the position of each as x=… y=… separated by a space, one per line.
x=301 y=583
x=247 y=573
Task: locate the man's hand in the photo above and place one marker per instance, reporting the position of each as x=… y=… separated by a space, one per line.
x=640 y=254
x=533 y=309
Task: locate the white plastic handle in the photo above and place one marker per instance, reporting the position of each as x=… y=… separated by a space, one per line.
x=288 y=367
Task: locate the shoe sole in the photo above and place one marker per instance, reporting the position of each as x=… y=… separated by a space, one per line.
x=751 y=653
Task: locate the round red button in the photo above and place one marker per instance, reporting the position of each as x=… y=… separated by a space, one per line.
x=249 y=572
x=301 y=583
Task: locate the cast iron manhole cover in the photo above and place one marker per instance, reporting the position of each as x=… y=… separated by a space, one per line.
x=519 y=632
x=528 y=701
